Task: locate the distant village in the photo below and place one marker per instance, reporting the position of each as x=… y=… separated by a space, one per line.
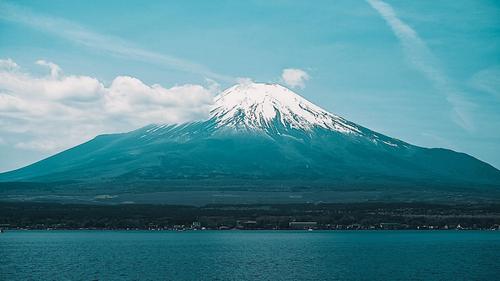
x=253 y=225
x=303 y=217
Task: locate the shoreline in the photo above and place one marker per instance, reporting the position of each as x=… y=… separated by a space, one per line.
x=282 y=217
x=247 y=230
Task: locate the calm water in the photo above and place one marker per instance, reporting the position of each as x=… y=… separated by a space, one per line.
x=249 y=255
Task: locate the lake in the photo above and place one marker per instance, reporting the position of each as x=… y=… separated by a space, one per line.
x=250 y=255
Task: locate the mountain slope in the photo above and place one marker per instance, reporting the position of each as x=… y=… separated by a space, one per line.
x=259 y=137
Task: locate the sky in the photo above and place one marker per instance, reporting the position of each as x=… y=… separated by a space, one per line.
x=426 y=72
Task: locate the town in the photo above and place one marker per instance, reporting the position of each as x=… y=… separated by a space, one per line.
x=359 y=216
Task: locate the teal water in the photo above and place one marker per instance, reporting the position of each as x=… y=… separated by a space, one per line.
x=250 y=255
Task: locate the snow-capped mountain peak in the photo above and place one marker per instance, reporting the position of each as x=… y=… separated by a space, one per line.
x=256 y=106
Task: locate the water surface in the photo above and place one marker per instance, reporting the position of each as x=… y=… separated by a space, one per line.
x=250 y=255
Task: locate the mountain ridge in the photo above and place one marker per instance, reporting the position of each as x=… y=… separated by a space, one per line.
x=258 y=137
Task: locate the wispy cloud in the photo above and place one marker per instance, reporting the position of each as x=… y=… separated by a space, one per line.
x=111 y=44
x=487 y=80
x=422 y=59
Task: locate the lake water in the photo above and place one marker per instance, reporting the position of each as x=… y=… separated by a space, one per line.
x=250 y=255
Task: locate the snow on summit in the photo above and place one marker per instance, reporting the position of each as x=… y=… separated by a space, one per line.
x=255 y=106
x=271 y=109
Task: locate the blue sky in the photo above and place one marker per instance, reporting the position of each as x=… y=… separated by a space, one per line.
x=426 y=72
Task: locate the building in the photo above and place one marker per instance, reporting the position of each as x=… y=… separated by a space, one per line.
x=302 y=224
x=250 y=224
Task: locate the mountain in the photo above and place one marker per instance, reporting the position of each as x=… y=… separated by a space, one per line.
x=259 y=138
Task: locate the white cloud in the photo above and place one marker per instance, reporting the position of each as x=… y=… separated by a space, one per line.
x=244 y=80
x=422 y=59
x=294 y=77
x=212 y=85
x=81 y=35
x=8 y=64
x=55 y=70
x=56 y=112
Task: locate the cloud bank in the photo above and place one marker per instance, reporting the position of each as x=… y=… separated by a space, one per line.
x=57 y=111
x=295 y=78
x=422 y=59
